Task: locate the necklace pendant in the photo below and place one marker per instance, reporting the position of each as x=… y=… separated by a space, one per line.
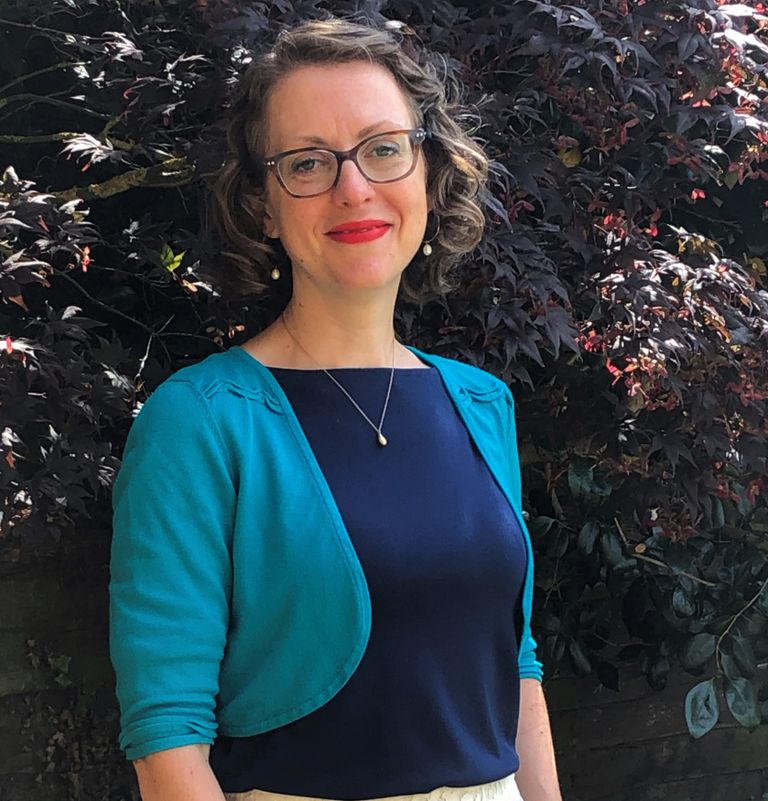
x=382 y=439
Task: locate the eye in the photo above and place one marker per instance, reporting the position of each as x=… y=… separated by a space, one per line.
x=312 y=163
x=383 y=149
x=303 y=166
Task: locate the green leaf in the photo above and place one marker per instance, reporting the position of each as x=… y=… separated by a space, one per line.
x=166 y=257
x=730 y=668
x=579 y=659
x=702 y=709
x=762 y=603
x=744 y=655
x=718 y=513
x=744 y=505
x=175 y=262
x=682 y=604
x=170 y=260
x=611 y=548
x=539 y=526
x=742 y=701
x=759 y=521
x=559 y=544
x=697 y=651
x=582 y=482
x=587 y=537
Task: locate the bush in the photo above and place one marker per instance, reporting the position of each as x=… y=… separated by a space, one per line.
x=621 y=288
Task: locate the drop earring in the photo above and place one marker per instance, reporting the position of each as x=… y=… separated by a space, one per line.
x=427 y=248
x=275 y=274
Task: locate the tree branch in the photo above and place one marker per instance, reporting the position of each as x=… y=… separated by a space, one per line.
x=651 y=560
x=42 y=72
x=733 y=620
x=44 y=30
x=97 y=302
x=53 y=101
x=171 y=173
x=28 y=140
x=61 y=136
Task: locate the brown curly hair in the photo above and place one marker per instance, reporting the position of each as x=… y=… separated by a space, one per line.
x=456 y=166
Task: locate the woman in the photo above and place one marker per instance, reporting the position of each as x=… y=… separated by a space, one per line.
x=321 y=578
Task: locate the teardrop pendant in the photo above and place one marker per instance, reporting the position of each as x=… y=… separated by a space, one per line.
x=382 y=439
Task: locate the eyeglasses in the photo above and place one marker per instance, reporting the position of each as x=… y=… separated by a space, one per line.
x=381 y=158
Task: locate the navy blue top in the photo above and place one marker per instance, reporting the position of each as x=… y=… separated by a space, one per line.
x=435 y=698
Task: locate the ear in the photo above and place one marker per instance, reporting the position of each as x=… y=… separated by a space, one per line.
x=268 y=224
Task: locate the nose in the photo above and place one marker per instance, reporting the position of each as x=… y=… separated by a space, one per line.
x=352 y=187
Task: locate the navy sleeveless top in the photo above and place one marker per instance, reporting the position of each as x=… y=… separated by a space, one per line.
x=435 y=698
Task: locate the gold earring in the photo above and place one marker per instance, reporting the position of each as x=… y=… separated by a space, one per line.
x=275 y=274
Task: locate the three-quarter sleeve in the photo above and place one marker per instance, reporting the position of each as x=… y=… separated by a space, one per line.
x=529 y=666
x=170 y=585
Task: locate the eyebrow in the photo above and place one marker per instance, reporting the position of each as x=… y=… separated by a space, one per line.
x=392 y=126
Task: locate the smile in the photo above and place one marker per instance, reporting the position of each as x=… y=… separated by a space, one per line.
x=359 y=235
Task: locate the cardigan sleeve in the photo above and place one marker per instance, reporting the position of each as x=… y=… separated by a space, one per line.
x=529 y=666
x=170 y=572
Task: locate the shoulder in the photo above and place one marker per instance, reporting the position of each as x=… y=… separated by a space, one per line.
x=190 y=394
x=203 y=375
x=181 y=392
x=185 y=417
x=217 y=379
x=468 y=378
x=208 y=401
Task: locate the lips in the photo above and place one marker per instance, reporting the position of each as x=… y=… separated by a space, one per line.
x=357 y=225
x=359 y=231
x=358 y=237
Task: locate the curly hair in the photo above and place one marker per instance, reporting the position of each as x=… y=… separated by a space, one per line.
x=456 y=165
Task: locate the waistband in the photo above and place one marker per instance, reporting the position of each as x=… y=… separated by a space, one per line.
x=504 y=789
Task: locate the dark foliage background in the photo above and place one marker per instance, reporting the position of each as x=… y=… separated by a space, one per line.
x=620 y=290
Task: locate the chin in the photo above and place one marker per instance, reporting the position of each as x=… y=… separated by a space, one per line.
x=368 y=275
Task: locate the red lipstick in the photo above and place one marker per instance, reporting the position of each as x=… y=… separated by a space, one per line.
x=351 y=233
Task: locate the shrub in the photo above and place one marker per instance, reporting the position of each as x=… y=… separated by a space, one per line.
x=620 y=288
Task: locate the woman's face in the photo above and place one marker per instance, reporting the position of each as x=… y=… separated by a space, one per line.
x=335 y=104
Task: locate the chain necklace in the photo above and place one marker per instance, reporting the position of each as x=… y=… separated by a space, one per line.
x=380 y=438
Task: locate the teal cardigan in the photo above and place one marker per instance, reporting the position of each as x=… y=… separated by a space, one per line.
x=237 y=602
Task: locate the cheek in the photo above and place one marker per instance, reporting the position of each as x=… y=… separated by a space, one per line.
x=415 y=211
x=272 y=217
x=289 y=215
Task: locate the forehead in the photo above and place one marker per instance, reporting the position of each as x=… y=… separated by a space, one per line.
x=333 y=102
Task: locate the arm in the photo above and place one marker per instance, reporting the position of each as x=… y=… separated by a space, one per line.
x=174 y=500
x=537 y=776
x=178 y=774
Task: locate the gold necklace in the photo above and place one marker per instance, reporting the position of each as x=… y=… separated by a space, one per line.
x=380 y=438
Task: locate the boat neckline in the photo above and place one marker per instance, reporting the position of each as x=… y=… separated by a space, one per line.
x=425 y=368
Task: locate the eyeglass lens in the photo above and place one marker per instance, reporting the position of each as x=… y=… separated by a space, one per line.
x=384 y=158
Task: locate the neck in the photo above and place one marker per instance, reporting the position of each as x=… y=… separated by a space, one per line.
x=342 y=335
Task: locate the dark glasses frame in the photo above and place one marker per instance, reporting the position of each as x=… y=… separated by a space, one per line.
x=417 y=137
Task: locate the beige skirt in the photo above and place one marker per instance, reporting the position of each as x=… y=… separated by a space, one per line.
x=504 y=789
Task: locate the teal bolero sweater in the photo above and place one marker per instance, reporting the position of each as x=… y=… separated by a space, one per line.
x=237 y=603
